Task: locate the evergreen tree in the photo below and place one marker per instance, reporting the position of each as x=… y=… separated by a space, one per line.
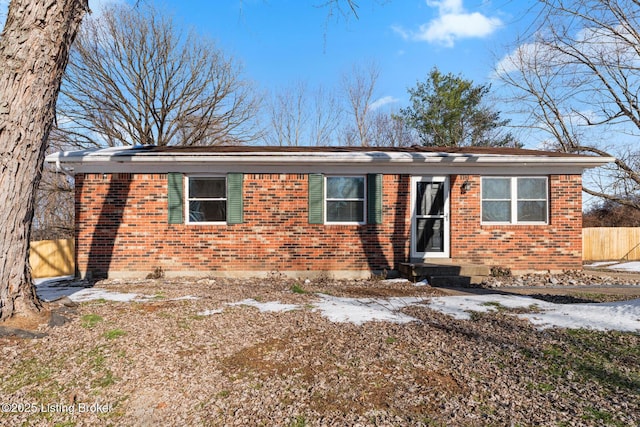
x=448 y=111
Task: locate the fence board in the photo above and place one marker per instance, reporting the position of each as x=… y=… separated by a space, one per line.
x=49 y=258
x=611 y=243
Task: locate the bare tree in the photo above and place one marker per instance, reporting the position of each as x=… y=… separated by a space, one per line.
x=134 y=78
x=359 y=87
x=288 y=116
x=611 y=214
x=299 y=116
x=576 y=79
x=54 y=209
x=34 y=47
x=34 y=51
x=390 y=130
x=342 y=7
x=54 y=206
x=326 y=116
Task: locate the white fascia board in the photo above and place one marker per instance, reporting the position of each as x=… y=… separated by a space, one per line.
x=125 y=161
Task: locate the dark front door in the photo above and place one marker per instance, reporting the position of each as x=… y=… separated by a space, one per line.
x=430 y=220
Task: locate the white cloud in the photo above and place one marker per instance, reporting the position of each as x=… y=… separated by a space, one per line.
x=523 y=55
x=533 y=57
x=401 y=32
x=446 y=6
x=446 y=29
x=602 y=45
x=452 y=23
x=381 y=102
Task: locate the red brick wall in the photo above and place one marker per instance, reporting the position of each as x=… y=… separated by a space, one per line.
x=122 y=228
x=275 y=235
x=556 y=246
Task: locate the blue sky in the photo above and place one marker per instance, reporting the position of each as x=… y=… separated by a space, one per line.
x=282 y=42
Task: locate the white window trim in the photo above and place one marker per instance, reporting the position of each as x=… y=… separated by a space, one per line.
x=514 y=201
x=364 y=201
x=187 y=199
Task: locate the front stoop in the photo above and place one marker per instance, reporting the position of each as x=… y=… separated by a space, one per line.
x=445 y=274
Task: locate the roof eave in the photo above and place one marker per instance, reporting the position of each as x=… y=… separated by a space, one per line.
x=104 y=157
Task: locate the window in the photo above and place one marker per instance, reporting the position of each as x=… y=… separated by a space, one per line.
x=206 y=199
x=345 y=199
x=515 y=200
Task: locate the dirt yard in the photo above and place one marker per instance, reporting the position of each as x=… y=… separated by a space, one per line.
x=184 y=356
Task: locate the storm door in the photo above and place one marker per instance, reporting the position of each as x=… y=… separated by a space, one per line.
x=430 y=217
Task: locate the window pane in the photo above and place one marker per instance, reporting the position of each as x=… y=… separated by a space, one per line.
x=532 y=211
x=207 y=188
x=430 y=235
x=339 y=211
x=496 y=188
x=345 y=187
x=207 y=211
x=430 y=197
x=532 y=188
x=496 y=211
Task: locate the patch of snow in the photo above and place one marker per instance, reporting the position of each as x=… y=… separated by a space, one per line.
x=272 y=306
x=48 y=294
x=398 y=280
x=210 y=312
x=616 y=316
x=423 y=282
x=91 y=294
x=361 y=310
x=52 y=289
x=620 y=316
x=632 y=266
x=626 y=266
x=601 y=263
x=51 y=280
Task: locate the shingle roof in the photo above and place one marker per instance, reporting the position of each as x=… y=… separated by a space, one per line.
x=342 y=149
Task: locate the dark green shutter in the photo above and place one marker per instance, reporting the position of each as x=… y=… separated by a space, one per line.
x=234 y=198
x=316 y=198
x=174 y=181
x=374 y=198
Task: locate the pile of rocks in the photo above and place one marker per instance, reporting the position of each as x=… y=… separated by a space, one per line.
x=567 y=278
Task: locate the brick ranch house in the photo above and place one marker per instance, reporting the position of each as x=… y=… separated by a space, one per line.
x=344 y=211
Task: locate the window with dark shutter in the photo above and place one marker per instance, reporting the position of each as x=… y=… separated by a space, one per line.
x=316 y=199
x=374 y=198
x=234 y=198
x=176 y=208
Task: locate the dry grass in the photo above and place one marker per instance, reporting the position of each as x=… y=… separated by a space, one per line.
x=161 y=363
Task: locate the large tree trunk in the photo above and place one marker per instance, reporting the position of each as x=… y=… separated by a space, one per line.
x=34 y=50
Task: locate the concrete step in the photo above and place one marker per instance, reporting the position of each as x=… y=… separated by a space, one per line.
x=455 y=280
x=415 y=270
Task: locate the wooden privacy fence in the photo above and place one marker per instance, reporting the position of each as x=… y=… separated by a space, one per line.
x=50 y=258
x=611 y=243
